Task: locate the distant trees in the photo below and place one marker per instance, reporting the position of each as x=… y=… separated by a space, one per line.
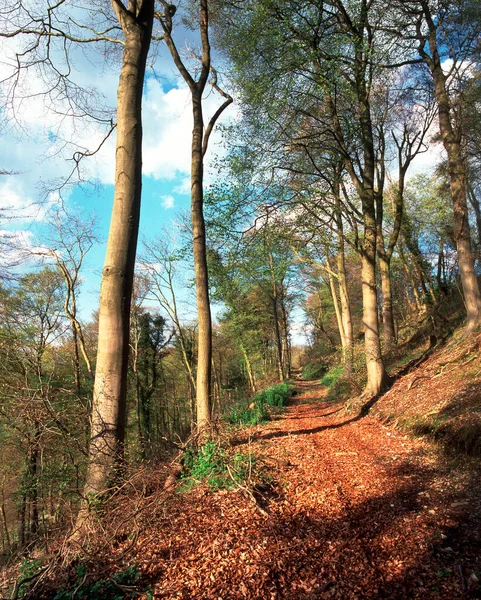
x=252 y=274
x=43 y=422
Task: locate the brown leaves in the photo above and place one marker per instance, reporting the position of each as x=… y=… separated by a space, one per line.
x=355 y=510
x=351 y=509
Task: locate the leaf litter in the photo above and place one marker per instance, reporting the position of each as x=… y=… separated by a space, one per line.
x=352 y=509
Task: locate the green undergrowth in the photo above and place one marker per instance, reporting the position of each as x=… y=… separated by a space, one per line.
x=123 y=584
x=215 y=465
x=313 y=371
x=258 y=409
x=334 y=375
x=28 y=568
x=340 y=388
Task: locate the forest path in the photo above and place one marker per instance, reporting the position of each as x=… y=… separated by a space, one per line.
x=356 y=509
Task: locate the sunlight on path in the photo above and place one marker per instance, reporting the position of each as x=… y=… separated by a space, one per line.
x=354 y=509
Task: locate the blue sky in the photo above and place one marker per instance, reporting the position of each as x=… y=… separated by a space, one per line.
x=32 y=145
x=33 y=148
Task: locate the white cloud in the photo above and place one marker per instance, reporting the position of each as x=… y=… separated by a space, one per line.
x=183 y=188
x=168 y=125
x=39 y=146
x=426 y=162
x=168 y=201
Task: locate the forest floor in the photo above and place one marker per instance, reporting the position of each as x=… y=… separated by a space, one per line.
x=353 y=509
x=340 y=505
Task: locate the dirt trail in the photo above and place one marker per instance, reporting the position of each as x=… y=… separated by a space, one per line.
x=355 y=510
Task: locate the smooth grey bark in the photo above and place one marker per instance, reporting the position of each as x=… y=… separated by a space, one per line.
x=110 y=387
x=377 y=377
x=363 y=179
x=345 y=304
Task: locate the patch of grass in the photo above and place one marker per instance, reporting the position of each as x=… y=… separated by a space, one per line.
x=256 y=411
x=214 y=465
x=248 y=414
x=333 y=376
x=275 y=395
x=443 y=573
x=313 y=371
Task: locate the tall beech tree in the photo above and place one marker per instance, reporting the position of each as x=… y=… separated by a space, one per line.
x=200 y=141
x=110 y=387
x=408 y=123
x=51 y=33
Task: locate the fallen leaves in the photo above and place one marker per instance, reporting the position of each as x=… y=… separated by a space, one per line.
x=351 y=508
x=351 y=512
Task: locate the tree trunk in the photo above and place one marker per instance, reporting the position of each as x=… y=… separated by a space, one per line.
x=277 y=332
x=4 y=516
x=287 y=354
x=7 y=543
x=377 y=379
x=78 y=383
x=247 y=361
x=473 y=200
x=275 y=313
x=387 y=305
x=346 y=316
x=337 y=311
x=22 y=525
x=200 y=140
x=204 y=356
x=462 y=236
x=33 y=477
x=110 y=388
x=457 y=175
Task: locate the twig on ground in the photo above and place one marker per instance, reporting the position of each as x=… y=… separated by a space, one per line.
x=247 y=492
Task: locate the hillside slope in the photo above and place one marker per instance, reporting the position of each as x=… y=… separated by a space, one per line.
x=440 y=397
x=348 y=508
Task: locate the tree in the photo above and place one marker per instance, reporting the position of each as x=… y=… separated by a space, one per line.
x=51 y=32
x=200 y=141
x=73 y=238
x=410 y=117
x=110 y=388
x=449 y=31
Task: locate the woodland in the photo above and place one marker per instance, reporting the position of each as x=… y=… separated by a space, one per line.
x=310 y=426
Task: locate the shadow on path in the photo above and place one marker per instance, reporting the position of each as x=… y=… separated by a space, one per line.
x=366 y=407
